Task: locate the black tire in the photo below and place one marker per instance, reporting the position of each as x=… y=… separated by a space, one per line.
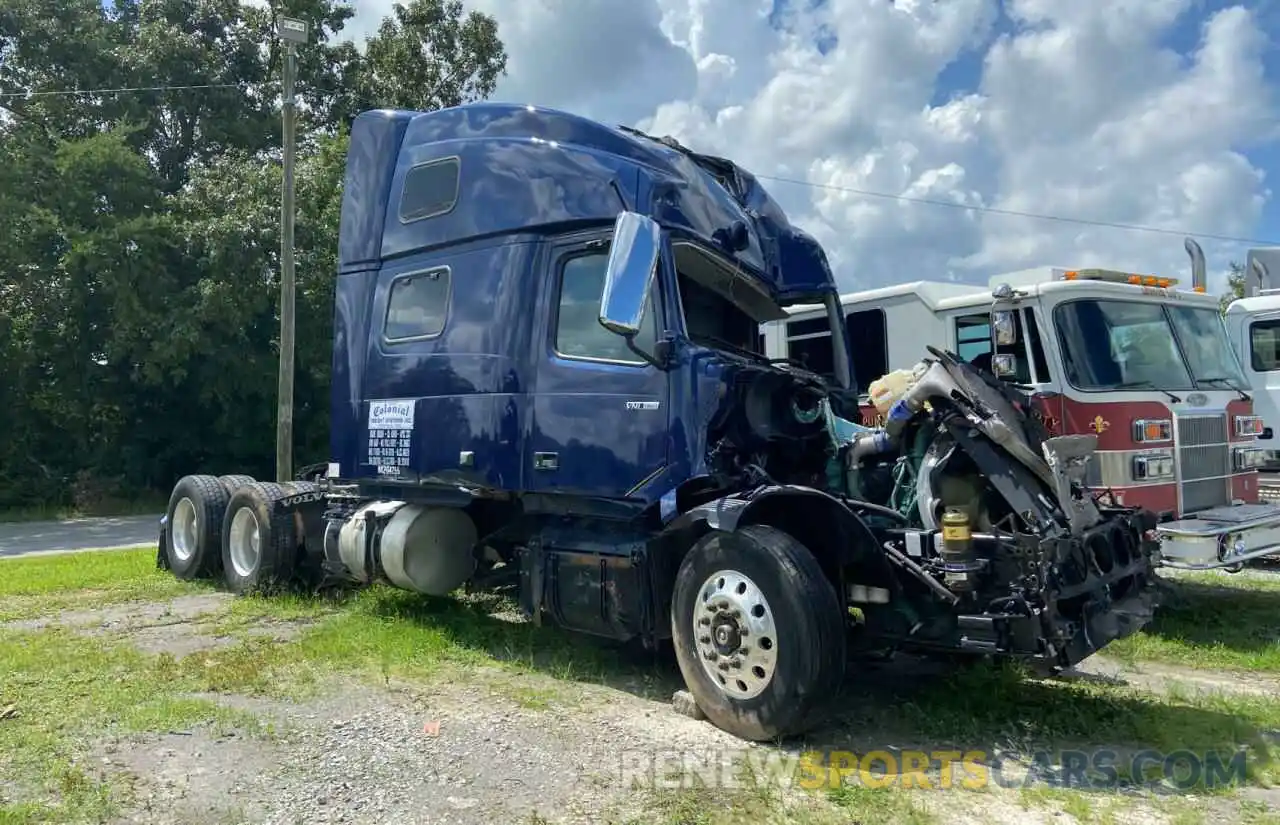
x=810 y=644
x=271 y=566
x=193 y=533
x=232 y=483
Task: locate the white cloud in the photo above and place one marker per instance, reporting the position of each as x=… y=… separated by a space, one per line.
x=1082 y=110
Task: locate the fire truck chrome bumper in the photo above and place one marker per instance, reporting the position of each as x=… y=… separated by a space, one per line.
x=1220 y=537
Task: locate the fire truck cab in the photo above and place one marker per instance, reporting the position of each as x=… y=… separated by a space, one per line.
x=1132 y=359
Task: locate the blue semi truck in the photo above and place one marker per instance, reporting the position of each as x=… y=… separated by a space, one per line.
x=548 y=372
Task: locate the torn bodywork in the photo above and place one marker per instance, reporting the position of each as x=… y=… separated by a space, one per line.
x=975 y=533
x=995 y=514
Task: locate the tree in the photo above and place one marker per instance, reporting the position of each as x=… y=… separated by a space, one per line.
x=1235 y=286
x=428 y=56
x=139 y=251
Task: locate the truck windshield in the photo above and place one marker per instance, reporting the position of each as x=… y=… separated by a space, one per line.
x=1116 y=344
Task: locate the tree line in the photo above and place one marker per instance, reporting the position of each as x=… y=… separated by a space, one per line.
x=139 y=229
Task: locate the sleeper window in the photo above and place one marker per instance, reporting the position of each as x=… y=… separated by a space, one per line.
x=579 y=333
x=418 y=305
x=430 y=189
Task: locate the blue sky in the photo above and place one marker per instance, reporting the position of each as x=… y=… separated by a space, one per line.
x=917 y=98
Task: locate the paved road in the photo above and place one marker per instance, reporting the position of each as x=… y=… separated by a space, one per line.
x=77 y=534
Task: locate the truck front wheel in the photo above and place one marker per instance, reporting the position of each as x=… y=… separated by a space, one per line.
x=758 y=632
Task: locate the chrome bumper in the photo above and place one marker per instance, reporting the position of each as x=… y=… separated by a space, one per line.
x=1220 y=537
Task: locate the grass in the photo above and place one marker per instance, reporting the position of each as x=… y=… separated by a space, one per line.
x=140 y=506
x=753 y=802
x=35 y=586
x=1213 y=622
x=70 y=689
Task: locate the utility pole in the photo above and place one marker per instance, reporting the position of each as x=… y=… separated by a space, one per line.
x=291 y=32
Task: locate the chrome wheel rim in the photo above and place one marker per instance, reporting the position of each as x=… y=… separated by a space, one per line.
x=186 y=530
x=245 y=542
x=735 y=634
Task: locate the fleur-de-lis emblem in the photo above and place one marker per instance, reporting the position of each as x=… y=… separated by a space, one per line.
x=1099 y=424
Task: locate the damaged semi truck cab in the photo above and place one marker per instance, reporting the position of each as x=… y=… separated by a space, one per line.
x=547 y=373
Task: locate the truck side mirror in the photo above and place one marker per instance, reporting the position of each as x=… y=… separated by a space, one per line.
x=1003 y=327
x=630 y=273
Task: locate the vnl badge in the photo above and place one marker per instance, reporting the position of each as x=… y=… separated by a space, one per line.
x=1099 y=424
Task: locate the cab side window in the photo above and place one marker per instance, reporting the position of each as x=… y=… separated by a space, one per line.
x=1264 y=345
x=973 y=339
x=578 y=331
x=418 y=305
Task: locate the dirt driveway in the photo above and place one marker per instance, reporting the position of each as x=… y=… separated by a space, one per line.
x=475 y=741
x=127 y=696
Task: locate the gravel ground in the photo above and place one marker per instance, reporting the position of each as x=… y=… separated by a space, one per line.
x=462 y=750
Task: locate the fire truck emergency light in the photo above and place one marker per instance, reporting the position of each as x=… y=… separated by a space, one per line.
x=1117 y=277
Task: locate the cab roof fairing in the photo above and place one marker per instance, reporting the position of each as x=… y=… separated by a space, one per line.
x=706 y=197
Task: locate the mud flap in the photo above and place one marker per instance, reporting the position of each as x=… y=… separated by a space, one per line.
x=162 y=558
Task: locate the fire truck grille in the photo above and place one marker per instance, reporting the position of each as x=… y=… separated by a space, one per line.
x=1204 y=461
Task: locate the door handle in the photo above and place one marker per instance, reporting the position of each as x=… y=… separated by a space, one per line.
x=546 y=461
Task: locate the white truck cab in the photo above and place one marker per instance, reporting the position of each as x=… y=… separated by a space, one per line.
x=1144 y=366
x=1253 y=326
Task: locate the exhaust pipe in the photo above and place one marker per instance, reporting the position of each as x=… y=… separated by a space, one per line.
x=1198 y=280
x=1259 y=271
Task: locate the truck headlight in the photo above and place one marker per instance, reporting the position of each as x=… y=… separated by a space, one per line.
x=1248 y=425
x=1249 y=458
x=1149 y=430
x=1152 y=466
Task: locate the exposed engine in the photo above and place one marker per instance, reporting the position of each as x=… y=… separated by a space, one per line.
x=986 y=539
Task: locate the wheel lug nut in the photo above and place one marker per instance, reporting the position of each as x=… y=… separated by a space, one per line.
x=744 y=650
x=710 y=655
x=706 y=640
x=736 y=664
x=724 y=665
x=704 y=621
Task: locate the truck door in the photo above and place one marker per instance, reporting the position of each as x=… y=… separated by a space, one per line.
x=600 y=412
x=1261 y=359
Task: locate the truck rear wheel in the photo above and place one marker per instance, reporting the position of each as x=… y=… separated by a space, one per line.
x=193 y=540
x=232 y=483
x=258 y=545
x=758 y=632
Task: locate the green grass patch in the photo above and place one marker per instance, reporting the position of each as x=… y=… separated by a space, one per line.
x=69 y=690
x=40 y=585
x=1212 y=622
x=39 y=575
x=83 y=686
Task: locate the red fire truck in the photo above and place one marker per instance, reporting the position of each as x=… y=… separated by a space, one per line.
x=1131 y=358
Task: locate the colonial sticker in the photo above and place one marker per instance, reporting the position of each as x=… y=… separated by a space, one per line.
x=390 y=435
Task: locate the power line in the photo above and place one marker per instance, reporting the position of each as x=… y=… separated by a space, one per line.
x=991 y=210
x=1132 y=227
x=125 y=89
